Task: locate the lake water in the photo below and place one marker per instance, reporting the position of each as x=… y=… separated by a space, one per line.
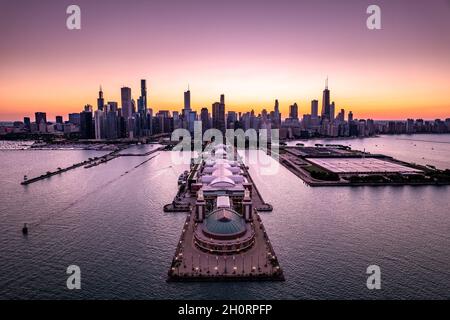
x=109 y=221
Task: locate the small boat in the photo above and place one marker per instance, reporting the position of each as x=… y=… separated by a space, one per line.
x=25 y=229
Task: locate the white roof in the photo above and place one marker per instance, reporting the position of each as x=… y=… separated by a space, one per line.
x=223 y=202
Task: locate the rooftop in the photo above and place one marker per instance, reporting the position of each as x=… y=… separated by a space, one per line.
x=361 y=166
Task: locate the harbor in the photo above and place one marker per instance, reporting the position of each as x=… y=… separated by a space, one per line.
x=223 y=237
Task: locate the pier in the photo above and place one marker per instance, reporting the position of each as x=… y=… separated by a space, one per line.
x=339 y=166
x=87 y=164
x=202 y=254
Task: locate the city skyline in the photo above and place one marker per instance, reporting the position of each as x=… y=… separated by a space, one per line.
x=398 y=72
x=185 y=104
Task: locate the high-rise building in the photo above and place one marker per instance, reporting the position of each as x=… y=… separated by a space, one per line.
x=112 y=124
x=326 y=102
x=86 y=125
x=276 y=115
x=100 y=124
x=133 y=107
x=40 y=117
x=218 y=114
x=187 y=100
x=350 y=116
x=191 y=120
x=293 y=111
x=74 y=118
x=27 y=123
x=142 y=101
x=127 y=107
x=314 y=109
x=59 y=119
x=204 y=117
x=341 y=116
x=231 y=119
x=100 y=100
x=112 y=106
x=332 y=111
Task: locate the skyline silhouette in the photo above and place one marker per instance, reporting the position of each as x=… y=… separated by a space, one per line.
x=254 y=52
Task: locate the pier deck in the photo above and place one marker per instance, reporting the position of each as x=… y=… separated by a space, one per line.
x=87 y=164
x=258 y=263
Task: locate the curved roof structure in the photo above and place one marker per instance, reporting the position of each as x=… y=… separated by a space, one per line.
x=224 y=222
x=222 y=182
x=222 y=172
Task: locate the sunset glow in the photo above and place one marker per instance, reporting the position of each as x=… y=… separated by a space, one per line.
x=254 y=53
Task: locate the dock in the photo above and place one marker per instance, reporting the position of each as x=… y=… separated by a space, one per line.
x=87 y=164
x=193 y=263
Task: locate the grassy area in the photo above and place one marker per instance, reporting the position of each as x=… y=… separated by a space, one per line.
x=321 y=174
x=310 y=168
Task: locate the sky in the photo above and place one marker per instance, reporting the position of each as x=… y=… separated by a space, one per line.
x=252 y=51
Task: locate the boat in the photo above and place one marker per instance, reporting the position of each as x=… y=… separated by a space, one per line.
x=25 y=229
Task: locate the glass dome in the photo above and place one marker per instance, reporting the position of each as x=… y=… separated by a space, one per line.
x=224 y=222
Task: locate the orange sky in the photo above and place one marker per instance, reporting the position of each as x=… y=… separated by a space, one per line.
x=398 y=72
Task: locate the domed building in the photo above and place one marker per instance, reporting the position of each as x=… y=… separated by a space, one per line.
x=224 y=230
x=223 y=210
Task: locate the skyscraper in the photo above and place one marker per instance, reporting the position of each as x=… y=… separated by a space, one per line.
x=187 y=100
x=332 y=111
x=142 y=100
x=100 y=100
x=350 y=116
x=341 y=115
x=127 y=108
x=204 y=117
x=293 y=111
x=99 y=124
x=231 y=119
x=27 y=123
x=326 y=102
x=218 y=114
x=86 y=125
x=277 y=115
x=40 y=117
x=314 y=109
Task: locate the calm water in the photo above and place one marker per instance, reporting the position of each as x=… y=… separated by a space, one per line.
x=111 y=224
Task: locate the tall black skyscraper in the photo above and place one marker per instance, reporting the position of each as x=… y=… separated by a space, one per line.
x=187 y=100
x=218 y=114
x=100 y=100
x=142 y=101
x=204 y=117
x=293 y=111
x=326 y=102
x=86 y=125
